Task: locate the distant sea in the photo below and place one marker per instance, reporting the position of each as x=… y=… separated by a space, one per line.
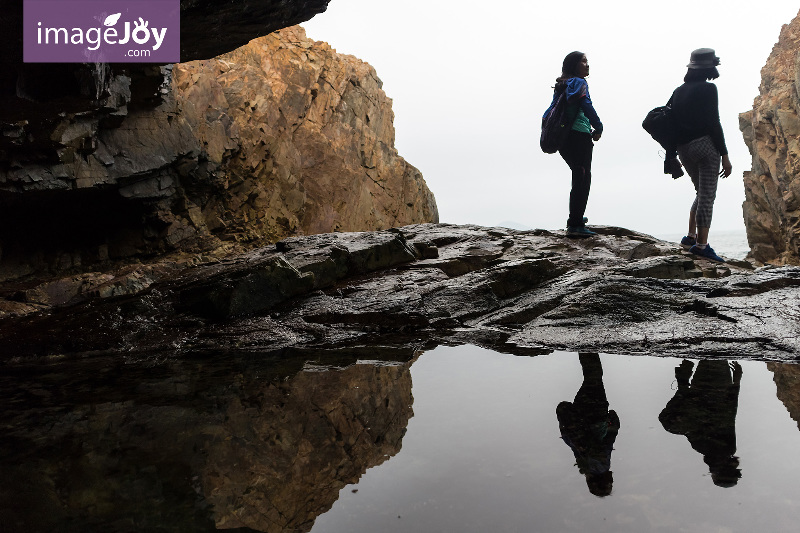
x=731 y=244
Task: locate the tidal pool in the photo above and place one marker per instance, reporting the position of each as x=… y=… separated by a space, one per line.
x=454 y=439
x=484 y=450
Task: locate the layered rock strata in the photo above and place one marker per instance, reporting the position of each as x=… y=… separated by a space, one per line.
x=621 y=292
x=772 y=133
x=283 y=136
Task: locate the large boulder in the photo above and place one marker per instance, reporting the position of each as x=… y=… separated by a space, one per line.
x=306 y=140
x=772 y=133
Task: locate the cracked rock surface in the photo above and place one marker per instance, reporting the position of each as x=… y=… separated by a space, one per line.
x=507 y=290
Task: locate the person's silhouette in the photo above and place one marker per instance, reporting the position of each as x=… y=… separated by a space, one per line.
x=705 y=412
x=589 y=428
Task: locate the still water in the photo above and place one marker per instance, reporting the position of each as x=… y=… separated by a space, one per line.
x=455 y=439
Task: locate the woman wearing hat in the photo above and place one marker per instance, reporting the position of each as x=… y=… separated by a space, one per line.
x=700 y=145
x=577 y=148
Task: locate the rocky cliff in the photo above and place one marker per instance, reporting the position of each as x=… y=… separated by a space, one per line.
x=306 y=140
x=772 y=133
x=283 y=136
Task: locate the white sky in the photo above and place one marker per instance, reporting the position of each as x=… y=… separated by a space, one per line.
x=470 y=81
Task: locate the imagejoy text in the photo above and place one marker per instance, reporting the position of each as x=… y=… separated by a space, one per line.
x=94 y=37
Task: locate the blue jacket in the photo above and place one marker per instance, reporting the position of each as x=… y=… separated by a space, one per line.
x=578 y=93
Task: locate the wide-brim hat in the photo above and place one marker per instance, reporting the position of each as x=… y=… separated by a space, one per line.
x=703 y=58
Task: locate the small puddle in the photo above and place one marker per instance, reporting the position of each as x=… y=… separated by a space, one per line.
x=455 y=439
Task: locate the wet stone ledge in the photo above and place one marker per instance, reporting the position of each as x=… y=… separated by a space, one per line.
x=508 y=290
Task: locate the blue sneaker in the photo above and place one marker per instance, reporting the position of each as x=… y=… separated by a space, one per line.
x=706 y=253
x=687 y=242
x=579 y=231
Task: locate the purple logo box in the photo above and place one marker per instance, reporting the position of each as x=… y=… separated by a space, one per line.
x=101 y=31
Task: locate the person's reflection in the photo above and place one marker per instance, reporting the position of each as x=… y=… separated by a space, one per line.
x=705 y=411
x=589 y=428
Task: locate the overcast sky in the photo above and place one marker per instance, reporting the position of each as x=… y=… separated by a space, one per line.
x=470 y=80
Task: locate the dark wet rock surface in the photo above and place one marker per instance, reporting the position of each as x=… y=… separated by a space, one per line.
x=511 y=291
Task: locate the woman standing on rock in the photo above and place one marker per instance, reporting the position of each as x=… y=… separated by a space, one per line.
x=577 y=149
x=701 y=144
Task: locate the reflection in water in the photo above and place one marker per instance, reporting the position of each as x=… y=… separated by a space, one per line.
x=261 y=442
x=198 y=446
x=589 y=428
x=704 y=410
x=787 y=383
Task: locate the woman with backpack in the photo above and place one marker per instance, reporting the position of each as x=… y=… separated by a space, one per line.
x=577 y=148
x=700 y=145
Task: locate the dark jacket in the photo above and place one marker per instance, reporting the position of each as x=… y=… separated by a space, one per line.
x=695 y=108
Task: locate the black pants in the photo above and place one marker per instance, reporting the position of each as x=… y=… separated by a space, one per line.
x=577 y=152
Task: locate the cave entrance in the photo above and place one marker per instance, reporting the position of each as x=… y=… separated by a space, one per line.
x=54 y=231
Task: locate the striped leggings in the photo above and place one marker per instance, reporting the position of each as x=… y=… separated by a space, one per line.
x=701 y=160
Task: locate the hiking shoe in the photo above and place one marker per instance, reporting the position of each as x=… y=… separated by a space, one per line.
x=687 y=242
x=706 y=253
x=579 y=231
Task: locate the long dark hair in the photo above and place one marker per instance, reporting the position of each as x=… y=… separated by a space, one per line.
x=569 y=69
x=701 y=74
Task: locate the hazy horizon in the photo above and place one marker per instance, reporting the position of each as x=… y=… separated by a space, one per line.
x=469 y=88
